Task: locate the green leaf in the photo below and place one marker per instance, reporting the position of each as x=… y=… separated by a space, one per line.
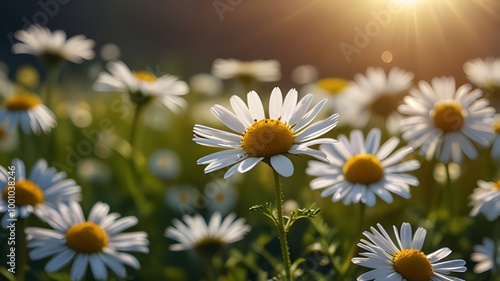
x=5 y=273
x=310 y=212
x=266 y=210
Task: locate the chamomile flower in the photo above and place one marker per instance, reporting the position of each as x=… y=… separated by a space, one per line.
x=442 y=121
x=45 y=188
x=484 y=73
x=207 y=239
x=143 y=86
x=25 y=109
x=359 y=170
x=52 y=47
x=97 y=241
x=258 y=70
x=485 y=199
x=487 y=256
x=375 y=97
x=258 y=138
x=404 y=261
x=164 y=164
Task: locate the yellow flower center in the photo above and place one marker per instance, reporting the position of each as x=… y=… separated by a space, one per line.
x=28 y=76
x=333 y=85
x=267 y=138
x=448 y=116
x=219 y=197
x=413 y=265
x=86 y=237
x=22 y=101
x=497 y=185
x=363 y=168
x=24 y=193
x=145 y=76
x=496 y=127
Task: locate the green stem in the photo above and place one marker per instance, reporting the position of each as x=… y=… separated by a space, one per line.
x=278 y=196
x=23 y=249
x=449 y=190
x=50 y=83
x=354 y=246
x=139 y=198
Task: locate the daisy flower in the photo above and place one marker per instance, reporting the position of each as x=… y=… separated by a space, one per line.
x=45 y=188
x=442 y=120
x=375 y=96
x=25 y=109
x=258 y=70
x=404 y=261
x=359 y=170
x=97 y=241
x=258 y=138
x=207 y=239
x=53 y=47
x=486 y=199
x=484 y=254
x=164 y=164
x=143 y=86
x=484 y=73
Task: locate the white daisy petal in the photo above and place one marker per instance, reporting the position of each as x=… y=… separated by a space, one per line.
x=65 y=245
x=286 y=131
x=364 y=171
x=382 y=257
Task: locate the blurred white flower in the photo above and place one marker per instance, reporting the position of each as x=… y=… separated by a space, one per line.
x=257 y=70
x=164 y=164
x=143 y=86
x=487 y=256
x=484 y=73
x=442 y=120
x=304 y=74
x=206 y=84
x=26 y=110
x=207 y=239
x=375 y=97
x=52 y=47
x=485 y=199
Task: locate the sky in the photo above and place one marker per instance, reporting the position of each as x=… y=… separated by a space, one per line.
x=339 y=37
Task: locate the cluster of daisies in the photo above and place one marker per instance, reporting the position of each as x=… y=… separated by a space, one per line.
x=438 y=119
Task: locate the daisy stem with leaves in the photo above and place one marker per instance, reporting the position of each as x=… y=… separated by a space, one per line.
x=280 y=224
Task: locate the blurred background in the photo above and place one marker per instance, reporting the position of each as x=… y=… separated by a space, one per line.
x=429 y=37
